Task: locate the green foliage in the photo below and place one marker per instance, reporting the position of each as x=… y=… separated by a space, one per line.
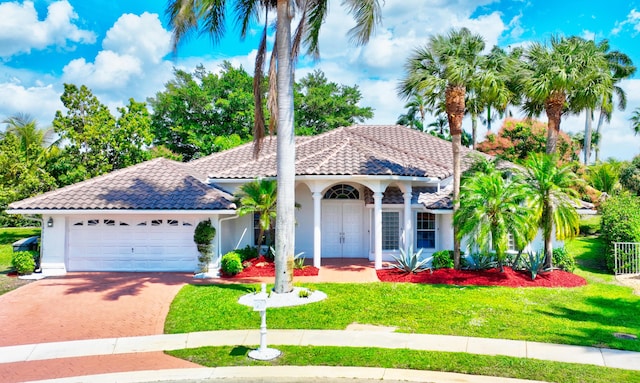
x=630 y=176
x=247 y=253
x=534 y=262
x=479 y=261
x=410 y=262
x=604 y=177
x=303 y=294
x=23 y=262
x=201 y=113
x=563 y=260
x=322 y=105
x=259 y=197
x=620 y=222
x=590 y=225
x=231 y=263
x=204 y=233
x=298 y=261
x=442 y=259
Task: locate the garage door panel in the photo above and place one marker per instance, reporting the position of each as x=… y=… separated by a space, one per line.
x=125 y=245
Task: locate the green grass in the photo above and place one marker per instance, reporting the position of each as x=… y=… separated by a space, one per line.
x=417 y=360
x=8 y=235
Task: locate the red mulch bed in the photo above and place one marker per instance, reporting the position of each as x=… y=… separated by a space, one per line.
x=492 y=277
x=260 y=267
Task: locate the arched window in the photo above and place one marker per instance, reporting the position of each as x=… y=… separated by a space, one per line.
x=342 y=191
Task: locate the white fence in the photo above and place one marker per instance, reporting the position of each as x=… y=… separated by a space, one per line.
x=626 y=258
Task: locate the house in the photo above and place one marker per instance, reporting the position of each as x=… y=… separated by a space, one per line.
x=363 y=191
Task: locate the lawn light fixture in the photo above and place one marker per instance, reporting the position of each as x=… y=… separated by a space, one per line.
x=50 y=222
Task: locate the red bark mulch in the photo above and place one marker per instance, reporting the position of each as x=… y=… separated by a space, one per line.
x=260 y=267
x=492 y=277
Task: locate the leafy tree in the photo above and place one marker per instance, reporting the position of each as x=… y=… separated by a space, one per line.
x=630 y=176
x=95 y=142
x=570 y=75
x=550 y=190
x=620 y=222
x=517 y=139
x=448 y=64
x=322 y=105
x=259 y=197
x=208 y=16
x=196 y=108
x=492 y=208
x=32 y=137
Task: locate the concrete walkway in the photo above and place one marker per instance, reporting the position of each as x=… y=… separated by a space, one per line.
x=347 y=338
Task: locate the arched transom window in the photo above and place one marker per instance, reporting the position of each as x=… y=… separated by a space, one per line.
x=342 y=191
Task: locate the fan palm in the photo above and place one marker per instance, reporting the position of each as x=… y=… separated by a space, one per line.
x=208 y=17
x=569 y=75
x=448 y=65
x=491 y=209
x=549 y=188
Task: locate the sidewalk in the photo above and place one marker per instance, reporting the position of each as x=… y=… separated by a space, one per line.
x=347 y=338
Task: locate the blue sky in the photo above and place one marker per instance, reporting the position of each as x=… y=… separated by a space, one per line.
x=121 y=49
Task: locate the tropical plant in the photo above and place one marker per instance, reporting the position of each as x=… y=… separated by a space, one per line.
x=604 y=177
x=635 y=121
x=298 y=261
x=621 y=67
x=448 y=64
x=492 y=208
x=416 y=111
x=202 y=236
x=23 y=262
x=630 y=175
x=563 y=260
x=570 y=75
x=534 y=263
x=410 y=261
x=620 y=222
x=259 y=197
x=32 y=137
x=247 y=253
x=480 y=261
x=231 y=264
x=208 y=16
x=442 y=259
x=549 y=187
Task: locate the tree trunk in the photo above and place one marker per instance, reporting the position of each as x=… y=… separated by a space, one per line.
x=547 y=229
x=488 y=118
x=454 y=103
x=588 y=127
x=553 y=107
x=600 y=122
x=285 y=213
x=474 y=130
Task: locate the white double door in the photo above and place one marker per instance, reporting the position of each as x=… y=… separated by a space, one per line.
x=342 y=229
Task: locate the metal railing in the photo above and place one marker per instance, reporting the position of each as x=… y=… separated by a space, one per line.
x=626 y=258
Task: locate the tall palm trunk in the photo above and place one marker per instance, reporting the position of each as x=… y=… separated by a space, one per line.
x=454 y=100
x=547 y=229
x=600 y=122
x=285 y=214
x=474 y=130
x=588 y=128
x=553 y=107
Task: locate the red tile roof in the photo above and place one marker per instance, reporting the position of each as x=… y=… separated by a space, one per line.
x=159 y=184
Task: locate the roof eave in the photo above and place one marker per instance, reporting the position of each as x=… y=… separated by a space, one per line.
x=119 y=211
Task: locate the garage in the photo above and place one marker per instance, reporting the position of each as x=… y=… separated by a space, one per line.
x=138 y=243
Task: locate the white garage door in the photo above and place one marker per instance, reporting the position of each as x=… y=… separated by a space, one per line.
x=132 y=244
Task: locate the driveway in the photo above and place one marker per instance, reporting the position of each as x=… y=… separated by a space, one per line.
x=87 y=306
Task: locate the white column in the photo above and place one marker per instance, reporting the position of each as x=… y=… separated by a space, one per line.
x=408 y=220
x=317 y=228
x=377 y=227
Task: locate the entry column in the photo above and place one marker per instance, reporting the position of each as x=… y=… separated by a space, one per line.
x=317 y=228
x=408 y=220
x=377 y=227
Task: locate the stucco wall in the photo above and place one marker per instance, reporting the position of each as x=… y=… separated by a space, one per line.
x=53 y=243
x=304 y=221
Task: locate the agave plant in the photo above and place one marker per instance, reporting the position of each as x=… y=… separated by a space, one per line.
x=410 y=262
x=480 y=261
x=534 y=262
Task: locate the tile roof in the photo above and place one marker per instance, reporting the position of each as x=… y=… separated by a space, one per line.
x=355 y=150
x=159 y=184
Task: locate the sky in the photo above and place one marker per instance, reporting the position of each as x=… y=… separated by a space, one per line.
x=122 y=50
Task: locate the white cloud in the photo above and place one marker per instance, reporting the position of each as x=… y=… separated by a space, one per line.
x=139 y=36
x=41 y=102
x=21 y=31
x=633 y=19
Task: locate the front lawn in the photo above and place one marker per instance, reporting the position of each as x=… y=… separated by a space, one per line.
x=9 y=235
x=587 y=315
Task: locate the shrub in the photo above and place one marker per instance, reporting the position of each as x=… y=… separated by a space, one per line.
x=248 y=252
x=231 y=264
x=479 y=261
x=443 y=259
x=620 y=222
x=202 y=236
x=590 y=225
x=410 y=262
x=23 y=262
x=563 y=260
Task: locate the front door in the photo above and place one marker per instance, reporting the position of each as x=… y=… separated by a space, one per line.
x=342 y=229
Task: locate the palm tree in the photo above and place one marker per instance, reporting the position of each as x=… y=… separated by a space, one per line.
x=447 y=65
x=570 y=75
x=500 y=90
x=549 y=188
x=259 y=197
x=635 y=121
x=416 y=108
x=491 y=209
x=621 y=67
x=31 y=136
x=208 y=17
